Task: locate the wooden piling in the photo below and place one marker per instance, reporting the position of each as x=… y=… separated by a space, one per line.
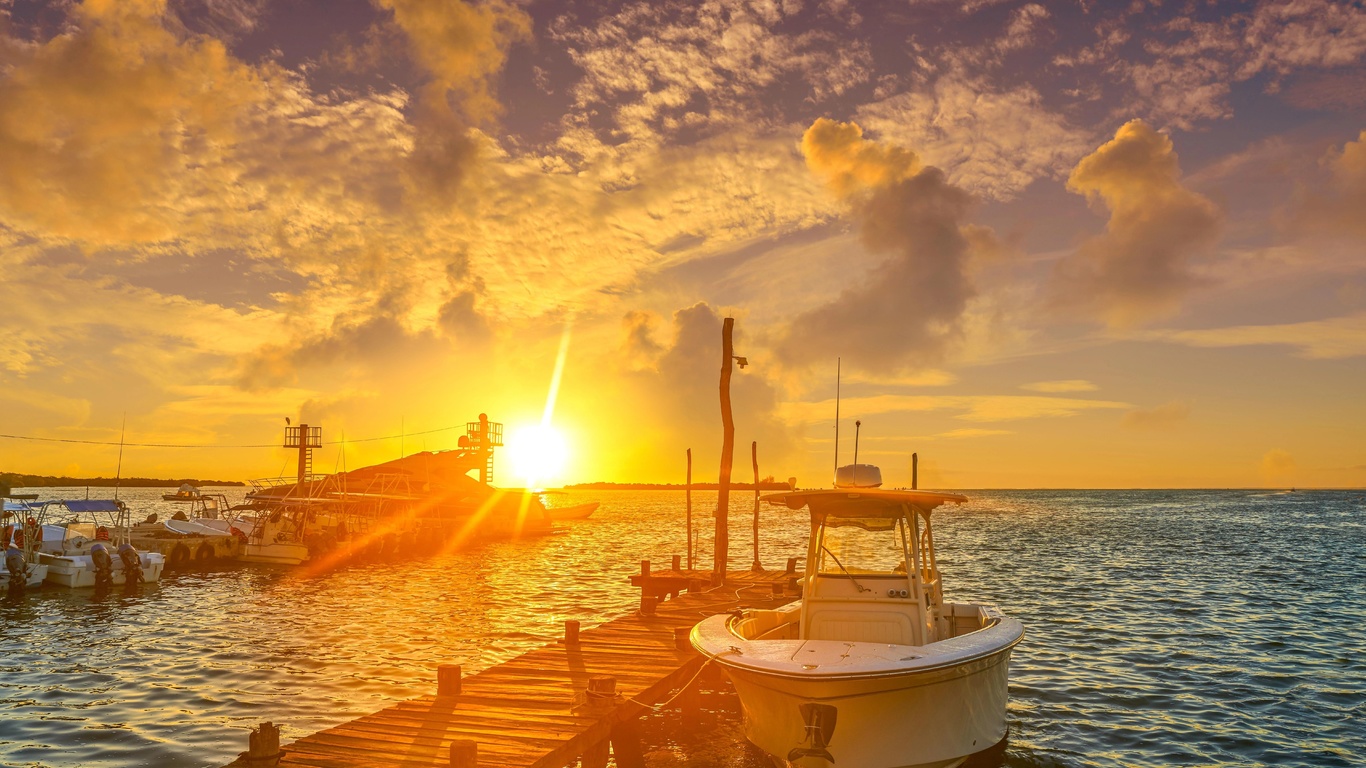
x=648 y=604
x=681 y=638
x=448 y=680
x=263 y=746
x=722 y=542
x=644 y=567
x=464 y=754
x=754 y=455
x=915 y=471
x=688 y=497
x=791 y=565
x=571 y=632
x=677 y=563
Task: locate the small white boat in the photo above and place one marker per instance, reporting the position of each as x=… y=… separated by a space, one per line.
x=872 y=668
x=72 y=533
x=20 y=531
x=576 y=512
x=270 y=535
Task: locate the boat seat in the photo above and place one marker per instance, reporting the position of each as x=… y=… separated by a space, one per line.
x=859 y=626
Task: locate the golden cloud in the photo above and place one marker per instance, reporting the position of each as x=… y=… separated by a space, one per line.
x=910 y=306
x=1141 y=266
x=1062 y=385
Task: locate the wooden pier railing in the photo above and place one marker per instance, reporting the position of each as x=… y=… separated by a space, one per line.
x=574 y=700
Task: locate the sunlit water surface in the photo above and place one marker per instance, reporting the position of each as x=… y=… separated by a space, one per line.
x=1163 y=628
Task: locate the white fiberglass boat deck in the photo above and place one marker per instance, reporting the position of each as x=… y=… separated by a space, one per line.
x=872 y=668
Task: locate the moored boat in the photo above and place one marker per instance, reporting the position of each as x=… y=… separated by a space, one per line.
x=83 y=538
x=575 y=512
x=872 y=667
x=17 y=538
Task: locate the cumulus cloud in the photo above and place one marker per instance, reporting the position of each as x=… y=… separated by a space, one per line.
x=1163 y=416
x=1141 y=266
x=909 y=307
x=1336 y=209
x=104 y=126
x=680 y=392
x=461 y=46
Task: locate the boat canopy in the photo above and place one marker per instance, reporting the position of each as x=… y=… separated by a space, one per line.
x=863 y=507
x=90 y=505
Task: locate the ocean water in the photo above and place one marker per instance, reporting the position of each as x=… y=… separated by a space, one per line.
x=1163 y=628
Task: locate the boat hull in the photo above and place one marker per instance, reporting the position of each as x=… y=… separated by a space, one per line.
x=76 y=571
x=919 y=719
x=279 y=553
x=36 y=573
x=576 y=512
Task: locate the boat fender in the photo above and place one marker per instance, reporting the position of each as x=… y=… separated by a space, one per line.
x=204 y=553
x=180 y=555
x=14 y=562
x=132 y=564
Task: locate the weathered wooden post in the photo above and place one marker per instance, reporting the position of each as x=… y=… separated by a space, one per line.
x=722 y=543
x=571 y=632
x=677 y=564
x=448 y=680
x=754 y=456
x=263 y=746
x=464 y=754
x=689 y=502
x=682 y=639
x=915 y=471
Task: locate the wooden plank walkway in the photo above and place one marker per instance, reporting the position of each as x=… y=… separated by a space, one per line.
x=535 y=710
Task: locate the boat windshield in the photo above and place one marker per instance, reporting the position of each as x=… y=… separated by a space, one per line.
x=862 y=546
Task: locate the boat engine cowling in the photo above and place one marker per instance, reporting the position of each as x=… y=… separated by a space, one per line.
x=858 y=476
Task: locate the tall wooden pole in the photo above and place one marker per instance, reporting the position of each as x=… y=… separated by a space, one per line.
x=689 y=496
x=727 y=455
x=754 y=455
x=915 y=471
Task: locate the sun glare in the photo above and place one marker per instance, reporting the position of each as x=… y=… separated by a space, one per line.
x=538 y=454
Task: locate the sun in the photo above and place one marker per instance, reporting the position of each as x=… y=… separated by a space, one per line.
x=538 y=454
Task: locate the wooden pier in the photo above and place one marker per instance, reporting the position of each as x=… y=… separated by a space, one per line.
x=573 y=701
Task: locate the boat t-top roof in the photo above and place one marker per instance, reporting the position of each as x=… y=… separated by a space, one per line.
x=862 y=502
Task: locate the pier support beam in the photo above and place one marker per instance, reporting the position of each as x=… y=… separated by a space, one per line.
x=626 y=744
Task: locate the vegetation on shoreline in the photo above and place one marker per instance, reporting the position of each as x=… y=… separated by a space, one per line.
x=17 y=480
x=764 y=485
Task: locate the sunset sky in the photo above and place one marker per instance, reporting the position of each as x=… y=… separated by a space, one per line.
x=1078 y=244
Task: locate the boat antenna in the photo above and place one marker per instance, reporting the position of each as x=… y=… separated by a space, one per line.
x=837 y=416
x=118 y=473
x=857 y=425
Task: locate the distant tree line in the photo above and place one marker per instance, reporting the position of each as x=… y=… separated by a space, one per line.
x=18 y=480
x=764 y=485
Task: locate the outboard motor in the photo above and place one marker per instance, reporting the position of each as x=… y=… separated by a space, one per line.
x=132 y=564
x=104 y=565
x=17 y=567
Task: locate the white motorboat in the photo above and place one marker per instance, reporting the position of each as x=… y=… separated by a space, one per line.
x=20 y=532
x=273 y=536
x=74 y=529
x=872 y=668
